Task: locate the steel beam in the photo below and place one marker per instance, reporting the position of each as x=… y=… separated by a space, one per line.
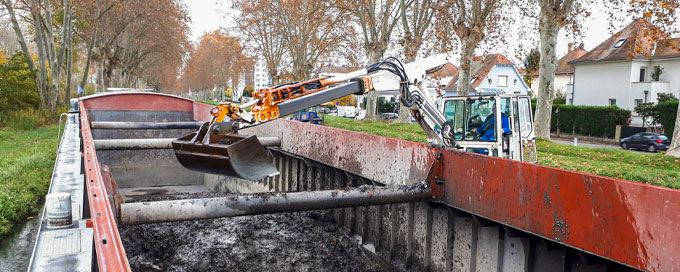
x=319 y=97
x=266 y=203
x=110 y=251
x=145 y=125
x=162 y=143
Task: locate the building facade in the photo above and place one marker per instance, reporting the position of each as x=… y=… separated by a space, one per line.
x=493 y=73
x=261 y=78
x=564 y=73
x=619 y=72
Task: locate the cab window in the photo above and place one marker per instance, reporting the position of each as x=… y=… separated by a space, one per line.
x=481 y=124
x=525 y=116
x=454 y=112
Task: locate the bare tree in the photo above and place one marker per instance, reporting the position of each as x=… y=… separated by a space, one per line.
x=554 y=15
x=313 y=30
x=470 y=20
x=46 y=44
x=377 y=19
x=416 y=17
x=257 y=23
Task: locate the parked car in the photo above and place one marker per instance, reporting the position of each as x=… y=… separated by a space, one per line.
x=646 y=141
x=389 y=116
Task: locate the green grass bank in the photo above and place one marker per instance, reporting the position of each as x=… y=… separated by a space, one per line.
x=25 y=170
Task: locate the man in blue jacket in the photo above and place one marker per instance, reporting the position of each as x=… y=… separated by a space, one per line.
x=488 y=131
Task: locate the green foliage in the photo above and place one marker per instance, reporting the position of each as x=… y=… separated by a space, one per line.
x=668 y=111
x=17 y=86
x=560 y=98
x=248 y=91
x=24 y=119
x=597 y=121
x=664 y=112
x=386 y=106
x=88 y=90
x=656 y=74
x=25 y=170
x=531 y=65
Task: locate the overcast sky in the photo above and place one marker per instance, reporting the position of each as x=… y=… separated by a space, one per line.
x=206 y=16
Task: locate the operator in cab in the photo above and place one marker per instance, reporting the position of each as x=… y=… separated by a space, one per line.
x=487 y=131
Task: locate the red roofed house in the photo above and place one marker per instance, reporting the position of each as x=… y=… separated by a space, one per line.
x=619 y=70
x=492 y=74
x=564 y=73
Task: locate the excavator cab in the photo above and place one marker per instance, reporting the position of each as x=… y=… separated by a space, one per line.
x=499 y=125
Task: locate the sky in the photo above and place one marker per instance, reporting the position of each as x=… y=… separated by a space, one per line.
x=207 y=16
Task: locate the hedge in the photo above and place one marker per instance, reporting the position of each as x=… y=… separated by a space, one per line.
x=597 y=121
x=668 y=111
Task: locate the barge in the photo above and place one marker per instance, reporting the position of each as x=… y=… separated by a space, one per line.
x=474 y=212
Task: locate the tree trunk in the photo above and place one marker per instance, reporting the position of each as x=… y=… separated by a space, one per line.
x=674 y=149
x=86 y=71
x=409 y=46
x=24 y=48
x=42 y=55
x=463 y=87
x=90 y=47
x=374 y=56
x=69 y=66
x=69 y=52
x=546 y=76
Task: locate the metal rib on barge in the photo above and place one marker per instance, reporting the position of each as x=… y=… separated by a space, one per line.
x=476 y=213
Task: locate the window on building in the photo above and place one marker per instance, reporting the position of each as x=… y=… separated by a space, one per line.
x=638 y=102
x=612 y=101
x=619 y=43
x=473 y=79
x=502 y=81
x=643 y=73
x=514 y=82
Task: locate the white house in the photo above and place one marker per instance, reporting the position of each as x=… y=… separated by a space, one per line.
x=492 y=74
x=619 y=70
x=564 y=73
x=261 y=77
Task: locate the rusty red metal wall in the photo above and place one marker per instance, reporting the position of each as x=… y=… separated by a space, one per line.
x=137 y=101
x=627 y=222
x=108 y=246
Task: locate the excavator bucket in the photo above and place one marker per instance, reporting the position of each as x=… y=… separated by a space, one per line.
x=230 y=155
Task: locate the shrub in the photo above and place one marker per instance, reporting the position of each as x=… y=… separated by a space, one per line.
x=25 y=119
x=17 y=88
x=248 y=91
x=663 y=113
x=668 y=111
x=598 y=121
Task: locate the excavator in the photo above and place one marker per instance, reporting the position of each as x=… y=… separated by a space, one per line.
x=218 y=148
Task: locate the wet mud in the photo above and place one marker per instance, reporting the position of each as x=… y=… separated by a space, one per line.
x=304 y=241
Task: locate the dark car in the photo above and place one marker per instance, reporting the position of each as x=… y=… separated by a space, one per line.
x=646 y=141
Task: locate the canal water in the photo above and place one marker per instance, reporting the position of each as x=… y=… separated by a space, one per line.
x=16 y=248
